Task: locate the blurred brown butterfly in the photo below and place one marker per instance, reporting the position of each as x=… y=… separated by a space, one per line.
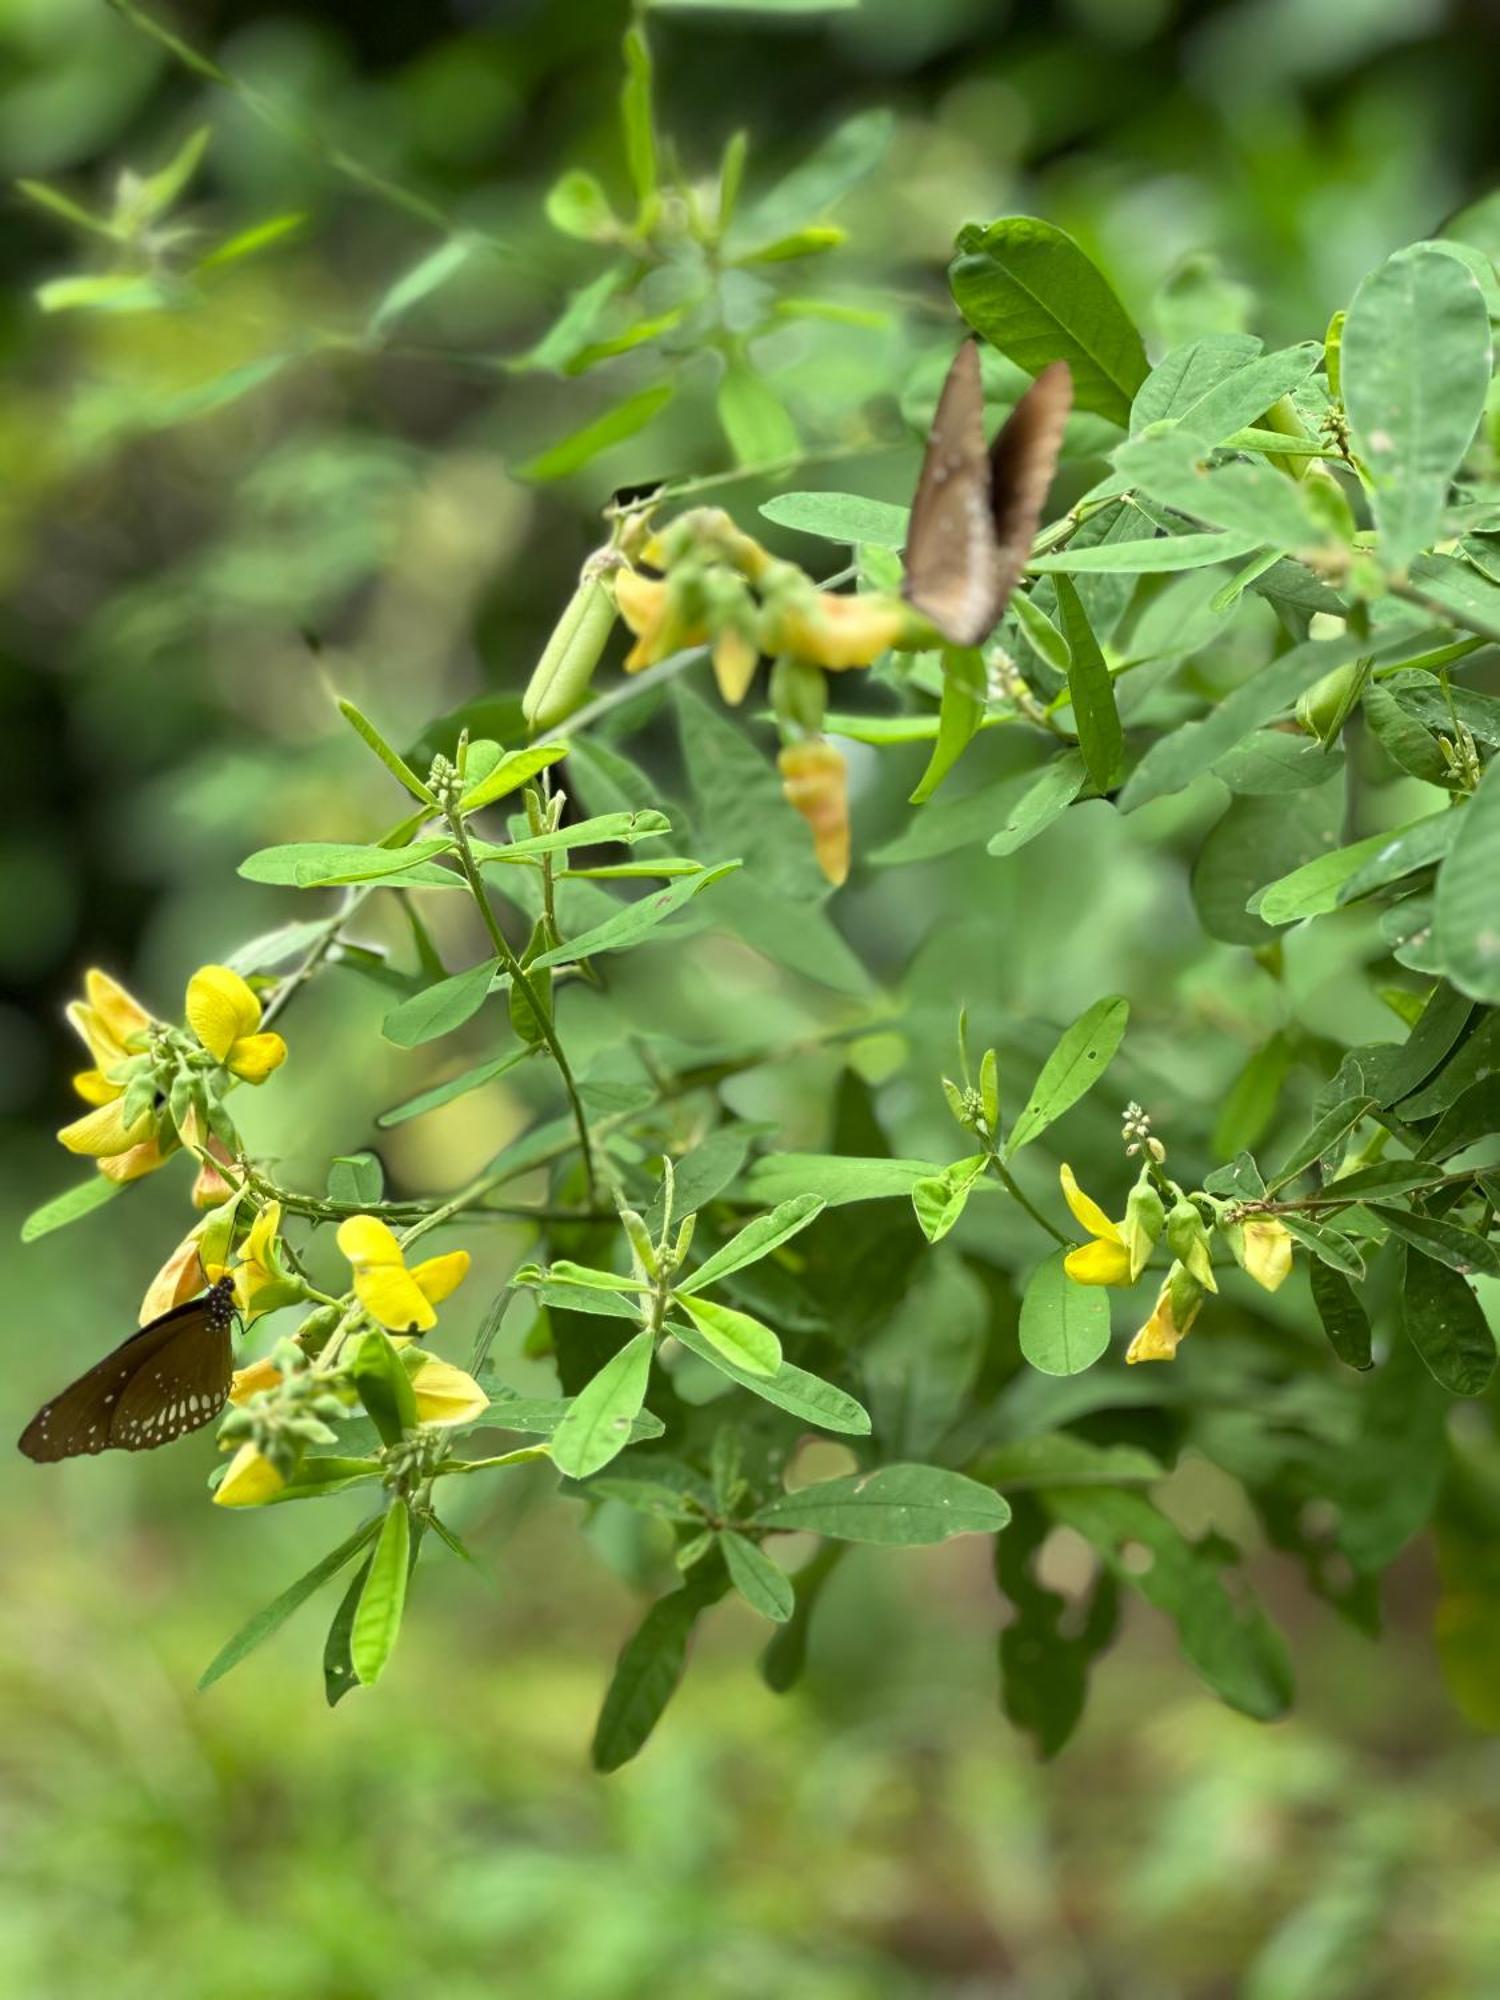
x=976 y=510
x=164 y=1381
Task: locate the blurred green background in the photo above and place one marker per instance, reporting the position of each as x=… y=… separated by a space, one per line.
x=176 y=598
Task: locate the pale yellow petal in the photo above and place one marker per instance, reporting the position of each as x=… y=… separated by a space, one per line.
x=438 y=1276
x=94 y=1087
x=220 y=1008
x=446 y=1395
x=181 y=1278
x=253 y=1057
x=102 y=1132
x=250 y=1380
x=1267 y=1251
x=1098 y=1263
x=120 y=1013
x=1086 y=1211
x=134 y=1162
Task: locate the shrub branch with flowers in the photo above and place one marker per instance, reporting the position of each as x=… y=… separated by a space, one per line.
x=1269 y=581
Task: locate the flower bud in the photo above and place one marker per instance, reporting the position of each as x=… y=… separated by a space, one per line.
x=815 y=783
x=1321 y=705
x=1188 y=1241
x=561 y=677
x=1145 y=1218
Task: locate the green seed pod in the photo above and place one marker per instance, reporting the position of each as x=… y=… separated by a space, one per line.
x=989 y=1090
x=1145 y=1218
x=563 y=673
x=1188 y=1240
x=1319 y=707
x=635 y=1228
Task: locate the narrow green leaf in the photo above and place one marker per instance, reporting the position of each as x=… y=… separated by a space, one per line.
x=736 y=1336
x=598 y=1422
x=422 y=280
x=756 y=1240
x=511 y=773
x=339 y=1677
x=573 y=452
x=1344 y=1319
x=793 y=1389
x=1082 y=1055
x=1466 y=910
x=1462 y=1250
x=898 y=1506
x=960 y=714
x=1150 y=557
x=322 y=864
x=275 y=1614
x=1091 y=691
x=646 y=1677
x=1445 y=1324
x=1064 y=1325
x=833 y=1178
x=456 y=1086
x=377 y=1621
x=635 y=920
x=69 y=1206
x=754 y=419
x=841 y=517
x=1042 y=801
x=392 y=760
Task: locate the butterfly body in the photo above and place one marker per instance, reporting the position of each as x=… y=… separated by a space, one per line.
x=976 y=508
x=169 y=1378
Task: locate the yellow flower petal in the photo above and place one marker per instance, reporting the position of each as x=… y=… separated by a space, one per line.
x=390 y=1295
x=1266 y=1251
x=132 y=1164
x=1086 y=1211
x=121 y=1015
x=250 y=1380
x=251 y=1480
x=253 y=1057
x=438 y=1276
x=220 y=1008
x=94 y=1087
x=1159 y=1338
x=446 y=1395
x=814 y=782
x=365 y=1240
x=103 y=1132
x=1098 y=1263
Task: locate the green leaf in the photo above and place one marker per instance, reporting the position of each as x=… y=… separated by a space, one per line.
x=377 y=1621
x=1144 y=558
x=1462 y=1250
x=635 y=920
x=1445 y=1324
x=965 y=691
x=1255 y=501
x=1329 y=1245
x=1324 y=1135
x=1064 y=1325
x=764 y=1587
x=69 y=1206
x=1042 y=802
x=422 y=280
x=1466 y=910
x=315 y=1478
x=1415 y=370
x=751 y=1347
x=1175 y=759
x=792 y=1389
x=456 y=1086
x=942 y=1199
x=383 y=1385
x=646 y=1676
x=841 y=517
x=1082 y=1055
x=598 y=1422
x=1344 y=1319
x=275 y=1614
x=511 y=773
x=1419 y=844
x=833 y=1178
x=324 y=864
x=339 y=1677
x=438 y=1010
x=1046 y=1649
x=624 y=827
x=1271 y=762
x=576 y=205
x=1028 y=289
x=1062 y=1458
x=1218 y=384
x=624 y=421
x=897 y=1506
x=357 y=1179
x=1091 y=691
x=756 y=1240
x=754 y=419
x=1323 y=883
x=1255 y=841
x=1228 y=1640
x=636 y=118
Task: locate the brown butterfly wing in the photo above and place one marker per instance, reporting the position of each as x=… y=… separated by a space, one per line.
x=1023 y=459
x=169 y=1378
x=975 y=511
x=951 y=572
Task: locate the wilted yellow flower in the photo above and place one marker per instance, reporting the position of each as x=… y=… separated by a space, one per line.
x=252 y=1378
x=210 y=1188
x=1264 y=1249
x=1107 y=1259
x=1177 y=1306
x=837 y=631
x=181 y=1278
x=446 y=1395
x=251 y=1480
x=648 y=604
x=815 y=782
x=735 y=657
x=225 y=1015
x=401 y=1300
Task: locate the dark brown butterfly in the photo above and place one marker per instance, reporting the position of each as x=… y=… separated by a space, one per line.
x=976 y=510
x=164 y=1381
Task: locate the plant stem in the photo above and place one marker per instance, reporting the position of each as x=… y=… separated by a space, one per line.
x=1012 y=1187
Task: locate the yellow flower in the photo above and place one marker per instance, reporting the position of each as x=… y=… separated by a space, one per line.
x=114 y=1029
x=251 y=1480
x=446 y=1395
x=224 y=1014
x=401 y=1300
x=836 y=631
x=251 y=1379
x=1264 y=1248
x=256 y=1267
x=648 y=606
x=1106 y=1260
x=103 y=1135
x=815 y=782
x=735 y=658
x=1177 y=1306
